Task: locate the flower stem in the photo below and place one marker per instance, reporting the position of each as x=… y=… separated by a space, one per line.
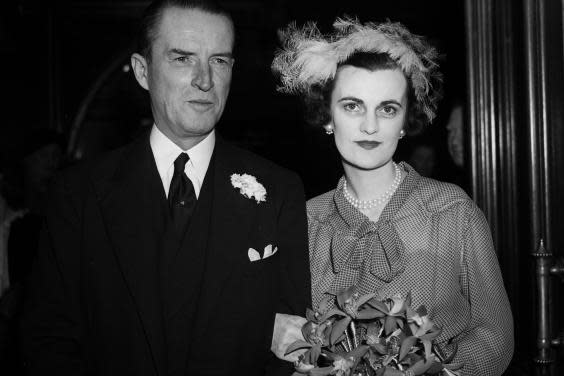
x=348 y=340
x=438 y=353
x=353 y=331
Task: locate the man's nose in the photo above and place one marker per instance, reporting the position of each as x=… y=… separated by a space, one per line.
x=370 y=125
x=203 y=77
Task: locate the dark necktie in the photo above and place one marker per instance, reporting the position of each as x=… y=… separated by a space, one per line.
x=181 y=195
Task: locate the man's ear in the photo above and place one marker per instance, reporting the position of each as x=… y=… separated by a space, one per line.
x=140 y=69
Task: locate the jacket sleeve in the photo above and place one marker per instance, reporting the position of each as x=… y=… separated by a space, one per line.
x=295 y=294
x=295 y=282
x=50 y=326
x=487 y=347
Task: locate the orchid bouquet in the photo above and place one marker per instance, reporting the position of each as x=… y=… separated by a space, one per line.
x=366 y=335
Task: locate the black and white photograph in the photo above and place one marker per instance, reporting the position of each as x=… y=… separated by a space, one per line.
x=284 y=187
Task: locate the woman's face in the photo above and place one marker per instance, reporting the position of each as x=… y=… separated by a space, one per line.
x=368 y=110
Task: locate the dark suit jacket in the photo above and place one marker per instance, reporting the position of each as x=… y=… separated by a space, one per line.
x=95 y=306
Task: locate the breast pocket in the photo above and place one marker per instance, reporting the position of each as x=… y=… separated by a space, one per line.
x=259 y=295
x=263 y=267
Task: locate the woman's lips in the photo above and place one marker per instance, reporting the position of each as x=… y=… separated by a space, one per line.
x=368 y=145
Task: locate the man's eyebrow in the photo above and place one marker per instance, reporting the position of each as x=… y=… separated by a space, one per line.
x=179 y=51
x=224 y=54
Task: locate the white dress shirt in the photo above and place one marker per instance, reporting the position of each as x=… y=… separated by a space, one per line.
x=165 y=152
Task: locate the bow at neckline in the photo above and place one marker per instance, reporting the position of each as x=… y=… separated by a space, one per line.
x=375 y=247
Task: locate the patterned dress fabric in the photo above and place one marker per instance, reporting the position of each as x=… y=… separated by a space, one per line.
x=431 y=240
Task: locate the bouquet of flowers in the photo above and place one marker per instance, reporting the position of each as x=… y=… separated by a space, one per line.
x=367 y=335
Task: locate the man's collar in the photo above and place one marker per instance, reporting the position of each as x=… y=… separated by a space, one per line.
x=166 y=151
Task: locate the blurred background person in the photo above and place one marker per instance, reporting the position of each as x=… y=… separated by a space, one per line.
x=22 y=202
x=423 y=159
x=41 y=157
x=455 y=138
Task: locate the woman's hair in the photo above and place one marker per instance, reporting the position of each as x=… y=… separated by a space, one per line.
x=309 y=61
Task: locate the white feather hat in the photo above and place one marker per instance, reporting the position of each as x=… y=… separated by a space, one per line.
x=309 y=58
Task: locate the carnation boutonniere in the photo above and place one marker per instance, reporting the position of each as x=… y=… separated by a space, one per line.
x=249 y=187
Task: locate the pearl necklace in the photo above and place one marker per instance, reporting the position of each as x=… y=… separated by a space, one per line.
x=378 y=201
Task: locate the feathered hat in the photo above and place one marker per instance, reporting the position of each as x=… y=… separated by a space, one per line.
x=308 y=58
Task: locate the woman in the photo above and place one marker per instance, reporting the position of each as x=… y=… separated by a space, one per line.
x=385 y=228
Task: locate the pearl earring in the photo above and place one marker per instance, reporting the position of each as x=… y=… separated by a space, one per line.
x=401 y=134
x=328 y=129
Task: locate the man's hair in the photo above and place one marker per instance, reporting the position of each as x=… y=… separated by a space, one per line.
x=153 y=13
x=318 y=100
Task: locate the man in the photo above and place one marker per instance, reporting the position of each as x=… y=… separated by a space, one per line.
x=172 y=255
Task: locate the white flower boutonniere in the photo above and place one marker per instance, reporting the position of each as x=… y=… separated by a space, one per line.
x=249 y=187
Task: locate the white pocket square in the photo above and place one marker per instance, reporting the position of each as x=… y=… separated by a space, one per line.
x=268 y=251
x=255 y=256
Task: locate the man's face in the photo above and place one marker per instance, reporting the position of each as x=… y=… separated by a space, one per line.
x=189 y=73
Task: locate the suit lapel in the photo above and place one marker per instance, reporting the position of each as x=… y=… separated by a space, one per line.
x=133 y=205
x=231 y=219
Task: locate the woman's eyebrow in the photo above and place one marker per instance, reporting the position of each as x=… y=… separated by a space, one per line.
x=390 y=101
x=354 y=99
x=383 y=103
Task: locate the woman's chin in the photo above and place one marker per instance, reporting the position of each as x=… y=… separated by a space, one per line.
x=364 y=165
